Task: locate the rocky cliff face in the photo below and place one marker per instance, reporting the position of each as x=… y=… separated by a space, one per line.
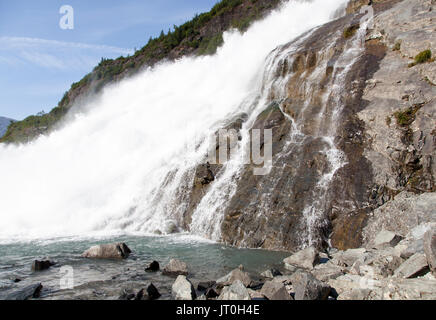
x=353 y=136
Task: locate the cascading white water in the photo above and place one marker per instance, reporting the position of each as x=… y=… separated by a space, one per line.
x=102 y=173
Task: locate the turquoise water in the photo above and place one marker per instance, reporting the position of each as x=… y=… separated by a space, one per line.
x=106 y=279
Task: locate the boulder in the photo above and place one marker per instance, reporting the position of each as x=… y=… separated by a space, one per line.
x=389 y=238
x=237 y=291
x=271 y=273
x=412 y=247
x=108 y=251
x=307 y=287
x=413 y=267
x=430 y=248
x=355 y=294
x=234 y=275
x=384 y=266
x=256 y=295
x=275 y=291
x=149 y=293
x=170 y=227
x=38 y=265
x=153 y=267
x=306 y=259
x=175 y=268
x=183 y=289
x=32 y=291
x=204 y=285
x=349 y=257
x=212 y=292
x=326 y=271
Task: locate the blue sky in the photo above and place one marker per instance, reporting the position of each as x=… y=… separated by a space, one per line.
x=39 y=61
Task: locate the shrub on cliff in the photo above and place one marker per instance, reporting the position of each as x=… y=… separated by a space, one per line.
x=422 y=57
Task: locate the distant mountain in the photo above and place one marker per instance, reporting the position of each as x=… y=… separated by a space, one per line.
x=4 y=123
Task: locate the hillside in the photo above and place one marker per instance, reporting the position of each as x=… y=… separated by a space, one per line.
x=199 y=36
x=4 y=123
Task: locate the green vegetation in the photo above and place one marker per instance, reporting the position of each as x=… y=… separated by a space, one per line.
x=406 y=117
x=350 y=31
x=422 y=57
x=397 y=46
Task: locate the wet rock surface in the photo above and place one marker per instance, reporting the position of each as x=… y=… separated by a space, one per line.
x=108 y=251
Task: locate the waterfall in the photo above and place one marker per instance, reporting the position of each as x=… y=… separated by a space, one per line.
x=125 y=162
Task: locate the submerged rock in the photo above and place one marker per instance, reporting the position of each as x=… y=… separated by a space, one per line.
x=183 y=289
x=38 y=265
x=175 y=268
x=149 y=293
x=153 y=267
x=108 y=251
x=32 y=291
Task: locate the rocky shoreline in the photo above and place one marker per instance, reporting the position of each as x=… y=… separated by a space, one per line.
x=391 y=267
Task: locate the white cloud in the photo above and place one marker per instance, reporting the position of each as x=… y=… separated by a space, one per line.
x=59 y=55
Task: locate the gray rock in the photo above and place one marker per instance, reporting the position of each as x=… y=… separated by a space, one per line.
x=385 y=265
x=175 y=268
x=275 y=291
x=204 y=285
x=385 y=237
x=430 y=249
x=306 y=259
x=413 y=267
x=350 y=256
x=108 y=251
x=271 y=273
x=307 y=287
x=38 y=265
x=237 y=291
x=183 y=289
x=32 y=291
x=234 y=275
x=355 y=294
x=326 y=271
x=413 y=247
x=153 y=267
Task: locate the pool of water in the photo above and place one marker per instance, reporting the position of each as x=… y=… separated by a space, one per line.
x=107 y=279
